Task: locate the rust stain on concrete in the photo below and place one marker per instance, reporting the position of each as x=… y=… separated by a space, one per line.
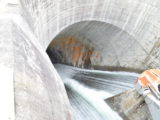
x=77 y=52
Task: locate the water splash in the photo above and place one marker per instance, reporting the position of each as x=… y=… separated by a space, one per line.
x=87 y=90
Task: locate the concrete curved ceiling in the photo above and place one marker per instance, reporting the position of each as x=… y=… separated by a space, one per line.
x=138 y=18
x=113 y=46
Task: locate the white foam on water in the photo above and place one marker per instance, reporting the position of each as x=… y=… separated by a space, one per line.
x=91 y=97
x=94 y=86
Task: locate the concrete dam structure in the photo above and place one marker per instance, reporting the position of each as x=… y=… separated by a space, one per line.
x=37 y=36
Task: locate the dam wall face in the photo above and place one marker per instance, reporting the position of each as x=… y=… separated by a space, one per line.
x=34 y=89
x=138 y=48
x=31 y=89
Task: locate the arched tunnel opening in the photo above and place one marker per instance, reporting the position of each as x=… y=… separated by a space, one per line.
x=84 y=55
x=97 y=45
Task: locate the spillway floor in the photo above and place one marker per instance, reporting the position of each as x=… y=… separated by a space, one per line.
x=87 y=90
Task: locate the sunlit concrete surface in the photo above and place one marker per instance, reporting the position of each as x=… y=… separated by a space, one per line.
x=130 y=105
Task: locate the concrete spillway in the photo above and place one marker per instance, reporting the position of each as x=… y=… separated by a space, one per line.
x=88 y=89
x=119 y=34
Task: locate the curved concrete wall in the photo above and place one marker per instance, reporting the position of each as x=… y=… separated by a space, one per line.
x=138 y=18
x=99 y=44
x=30 y=78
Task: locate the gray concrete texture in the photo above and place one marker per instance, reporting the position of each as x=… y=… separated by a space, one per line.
x=32 y=87
x=130 y=105
x=116 y=47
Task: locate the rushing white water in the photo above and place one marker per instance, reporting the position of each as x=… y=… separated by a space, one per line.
x=87 y=90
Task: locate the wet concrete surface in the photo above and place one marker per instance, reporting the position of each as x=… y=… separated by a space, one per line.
x=130 y=105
